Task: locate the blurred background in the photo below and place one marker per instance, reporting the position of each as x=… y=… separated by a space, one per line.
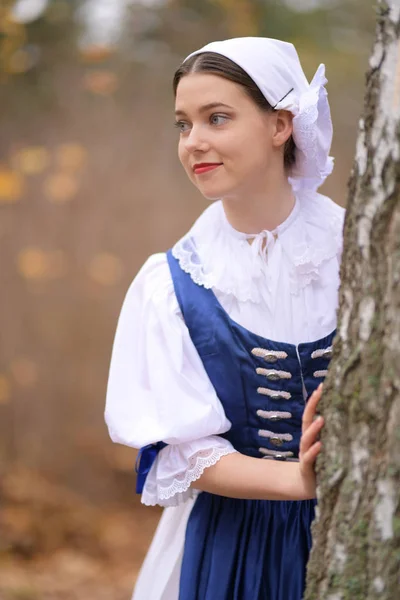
x=90 y=186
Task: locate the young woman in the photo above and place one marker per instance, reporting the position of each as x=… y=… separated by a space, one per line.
x=223 y=341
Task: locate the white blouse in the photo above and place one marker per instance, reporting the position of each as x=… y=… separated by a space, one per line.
x=282 y=286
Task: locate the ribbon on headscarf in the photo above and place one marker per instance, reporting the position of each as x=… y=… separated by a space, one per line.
x=144 y=461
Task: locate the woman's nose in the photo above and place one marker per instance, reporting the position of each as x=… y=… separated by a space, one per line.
x=196 y=140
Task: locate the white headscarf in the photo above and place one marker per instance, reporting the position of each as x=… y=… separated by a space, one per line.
x=275 y=68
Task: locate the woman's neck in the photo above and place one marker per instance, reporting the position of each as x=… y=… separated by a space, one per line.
x=257 y=211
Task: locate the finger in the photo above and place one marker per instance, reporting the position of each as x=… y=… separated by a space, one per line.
x=310 y=456
x=310 y=436
x=309 y=411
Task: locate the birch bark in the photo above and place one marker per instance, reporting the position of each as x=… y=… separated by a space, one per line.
x=356 y=551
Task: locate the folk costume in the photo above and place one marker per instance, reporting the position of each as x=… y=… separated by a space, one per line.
x=220 y=343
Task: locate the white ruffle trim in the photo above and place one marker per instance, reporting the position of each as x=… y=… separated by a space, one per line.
x=309 y=257
x=312 y=133
x=218 y=257
x=179 y=490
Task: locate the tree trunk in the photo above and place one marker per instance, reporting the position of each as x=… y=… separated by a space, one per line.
x=356 y=551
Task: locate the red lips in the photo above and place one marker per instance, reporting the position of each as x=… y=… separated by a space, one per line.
x=199 y=168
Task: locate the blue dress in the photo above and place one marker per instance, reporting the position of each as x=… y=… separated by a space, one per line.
x=247 y=549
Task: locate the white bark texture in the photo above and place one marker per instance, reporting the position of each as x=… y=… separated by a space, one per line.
x=356 y=548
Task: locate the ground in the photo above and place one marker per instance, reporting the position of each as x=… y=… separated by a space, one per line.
x=55 y=546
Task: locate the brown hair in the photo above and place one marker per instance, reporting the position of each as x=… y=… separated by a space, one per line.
x=217 y=64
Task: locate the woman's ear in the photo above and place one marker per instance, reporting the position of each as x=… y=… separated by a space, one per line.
x=283 y=127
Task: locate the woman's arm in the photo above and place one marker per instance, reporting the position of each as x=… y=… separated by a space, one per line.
x=240 y=476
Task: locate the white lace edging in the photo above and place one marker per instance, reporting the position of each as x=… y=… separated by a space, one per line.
x=186 y=255
x=179 y=490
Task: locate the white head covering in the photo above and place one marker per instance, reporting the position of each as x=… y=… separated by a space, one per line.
x=275 y=67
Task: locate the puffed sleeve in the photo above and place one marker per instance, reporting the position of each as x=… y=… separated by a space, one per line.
x=158 y=389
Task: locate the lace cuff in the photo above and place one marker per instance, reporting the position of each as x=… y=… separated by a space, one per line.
x=177 y=466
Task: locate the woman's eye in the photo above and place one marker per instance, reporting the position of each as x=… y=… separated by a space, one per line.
x=218 y=119
x=182 y=126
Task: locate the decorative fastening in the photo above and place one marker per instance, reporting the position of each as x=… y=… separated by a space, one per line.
x=277 y=454
x=269 y=355
x=276 y=441
x=275 y=438
x=275 y=395
x=273 y=374
x=322 y=353
x=274 y=415
x=320 y=373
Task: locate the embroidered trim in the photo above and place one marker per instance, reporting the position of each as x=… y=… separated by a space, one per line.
x=273 y=375
x=275 y=395
x=179 y=491
x=322 y=353
x=320 y=373
x=274 y=415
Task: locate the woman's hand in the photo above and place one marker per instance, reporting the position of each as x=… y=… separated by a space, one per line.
x=238 y=476
x=310 y=446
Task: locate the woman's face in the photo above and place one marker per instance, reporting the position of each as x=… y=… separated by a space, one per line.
x=227 y=144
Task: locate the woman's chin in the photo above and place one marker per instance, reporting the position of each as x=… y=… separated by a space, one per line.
x=212 y=192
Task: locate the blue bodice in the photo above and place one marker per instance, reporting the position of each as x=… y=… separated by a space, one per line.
x=262 y=384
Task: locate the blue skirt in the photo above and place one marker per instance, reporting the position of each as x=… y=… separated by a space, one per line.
x=246 y=549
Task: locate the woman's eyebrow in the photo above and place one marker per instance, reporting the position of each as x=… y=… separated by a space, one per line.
x=206 y=107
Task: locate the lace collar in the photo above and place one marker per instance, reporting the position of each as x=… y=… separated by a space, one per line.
x=218 y=256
